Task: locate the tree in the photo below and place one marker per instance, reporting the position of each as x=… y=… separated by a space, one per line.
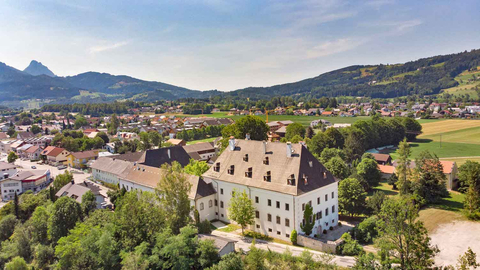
x=412 y=127
x=428 y=178
x=80 y=121
x=196 y=167
x=374 y=203
x=114 y=124
x=89 y=203
x=103 y=136
x=7 y=227
x=354 y=144
x=241 y=209
x=368 y=171
x=468 y=260
x=293 y=130
x=349 y=247
x=296 y=139
x=145 y=139
x=337 y=167
x=62 y=179
x=253 y=125
x=309 y=132
x=231 y=261
x=65 y=213
x=155 y=138
x=173 y=189
x=403 y=237
x=39 y=223
x=366 y=261
x=469 y=173
x=35 y=129
x=351 y=197
x=43 y=256
x=16 y=207
x=307 y=223
x=17 y=263
x=329 y=153
x=403 y=168
x=12 y=157
x=206 y=253
x=293 y=237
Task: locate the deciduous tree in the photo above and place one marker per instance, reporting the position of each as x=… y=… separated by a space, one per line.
x=351 y=197
x=241 y=209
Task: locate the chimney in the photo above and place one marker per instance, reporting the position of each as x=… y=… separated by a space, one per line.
x=247 y=136
x=169 y=155
x=231 y=143
x=289 y=149
x=264 y=147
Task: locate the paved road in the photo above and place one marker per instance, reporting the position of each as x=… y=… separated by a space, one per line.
x=244 y=243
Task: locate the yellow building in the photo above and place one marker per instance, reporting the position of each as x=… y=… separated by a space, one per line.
x=79 y=160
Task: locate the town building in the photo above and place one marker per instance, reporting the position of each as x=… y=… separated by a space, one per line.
x=76 y=192
x=110 y=169
x=205 y=150
x=55 y=155
x=79 y=160
x=22 y=181
x=280 y=179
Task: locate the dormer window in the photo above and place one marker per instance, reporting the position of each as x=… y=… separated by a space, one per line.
x=216 y=168
x=310 y=163
x=266 y=161
x=267 y=177
x=248 y=173
x=231 y=170
x=305 y=179
x=324 y=175
x=245 y=158
x=291 y=180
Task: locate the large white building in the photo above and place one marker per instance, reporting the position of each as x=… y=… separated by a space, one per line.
x=280 y=179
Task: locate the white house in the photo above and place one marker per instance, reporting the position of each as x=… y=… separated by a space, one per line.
x=22 y=181
x=110 y=169
x=146 y=178
x=280 y=179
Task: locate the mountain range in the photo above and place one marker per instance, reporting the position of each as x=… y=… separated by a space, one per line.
x=424 y=76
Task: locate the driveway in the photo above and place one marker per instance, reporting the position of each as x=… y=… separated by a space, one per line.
x=78 y=176
x=244 y=243
x=453 y=240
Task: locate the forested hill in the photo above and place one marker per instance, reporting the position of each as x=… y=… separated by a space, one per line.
x=423 y=76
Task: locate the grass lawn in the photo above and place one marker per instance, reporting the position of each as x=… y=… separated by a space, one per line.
x=203 y=140
x=440 y=127
x=447 y=149
x=434 y=217
x=467 y=135
x=230 y=228
x=461 y=160
x=385 y=188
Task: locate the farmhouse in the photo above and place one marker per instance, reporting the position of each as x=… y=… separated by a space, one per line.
x=280 y=179
x=382 y=159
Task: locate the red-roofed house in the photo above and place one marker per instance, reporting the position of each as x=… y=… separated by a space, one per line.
x=450 y=170
x=33 y=152
x=386 y=170
x=55 y=154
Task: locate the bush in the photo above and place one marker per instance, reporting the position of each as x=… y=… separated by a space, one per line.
x=331 y=228
x=293 y=237
x=349 y=247
x=204 y=227
x=324 y=231
x=339 y=224
x=366 y=230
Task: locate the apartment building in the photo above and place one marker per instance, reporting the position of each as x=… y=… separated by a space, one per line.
x=280 y=179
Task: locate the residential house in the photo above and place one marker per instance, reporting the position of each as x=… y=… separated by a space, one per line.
x=4 y=136
x=177 y=142
x=53 y=154
x=7 y=169
x=205 y=150
x=79 y=160
x=386 y=171
x=110 y=147
x=280 y=179
x=450 y=170
x=33 y=153
x=146 y=178
x=25 y=135
x=21 y=150
x=76 y=192
x=223 y=245
x=382 y=159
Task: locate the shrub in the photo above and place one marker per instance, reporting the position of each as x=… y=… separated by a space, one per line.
x=366 y=230
x=349 y=247
x=331 y=228
x=339 y=224
x=293 y=237
x=324 y=231
x=204 y=227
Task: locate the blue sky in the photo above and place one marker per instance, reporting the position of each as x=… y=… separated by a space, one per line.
x=227 y=45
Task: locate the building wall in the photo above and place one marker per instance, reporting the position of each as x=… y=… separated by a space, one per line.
x=209 y=209
x=294 y=214
x=229 y=248
x=327 y=220
x=105 y=176
x=9 y=187
x=10 y=172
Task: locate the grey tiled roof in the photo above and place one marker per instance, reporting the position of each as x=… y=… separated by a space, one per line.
x=301 y=163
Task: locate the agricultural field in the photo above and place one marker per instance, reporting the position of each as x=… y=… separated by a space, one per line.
x=468 y=82
x=448 y=139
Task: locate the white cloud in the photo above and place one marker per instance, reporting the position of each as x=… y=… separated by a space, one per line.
x=335 y=46
x=108 y=47
x=379 y=3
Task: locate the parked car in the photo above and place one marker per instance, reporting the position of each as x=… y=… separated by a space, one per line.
x=62 y=167
x=34 y=167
